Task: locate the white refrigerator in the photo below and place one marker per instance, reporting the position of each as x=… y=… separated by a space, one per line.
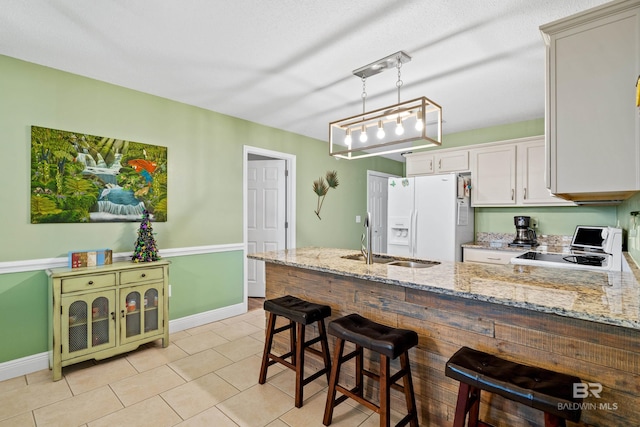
x=429 y=217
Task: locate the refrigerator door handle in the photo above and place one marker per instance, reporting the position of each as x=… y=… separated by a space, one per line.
x=411 y=232
x=414 y=233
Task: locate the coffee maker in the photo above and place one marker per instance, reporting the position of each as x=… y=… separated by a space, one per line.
x=525 y=235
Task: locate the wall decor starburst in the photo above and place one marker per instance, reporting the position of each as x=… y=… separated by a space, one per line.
x=321 y=187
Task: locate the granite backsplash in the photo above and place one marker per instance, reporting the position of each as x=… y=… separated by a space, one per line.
x=543 y=239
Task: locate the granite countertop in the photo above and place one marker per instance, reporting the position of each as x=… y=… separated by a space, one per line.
x=604 y=297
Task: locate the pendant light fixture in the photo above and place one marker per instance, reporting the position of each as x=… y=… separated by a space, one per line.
x=405 y=126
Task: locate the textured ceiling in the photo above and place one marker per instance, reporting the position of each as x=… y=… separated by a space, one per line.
x=288 y=63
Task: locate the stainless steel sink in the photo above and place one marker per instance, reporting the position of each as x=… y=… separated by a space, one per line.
x=413 y=264
x=389 y=260
x=378 y=259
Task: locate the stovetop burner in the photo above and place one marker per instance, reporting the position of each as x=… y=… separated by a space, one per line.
x=555 y=258
x=585 y=259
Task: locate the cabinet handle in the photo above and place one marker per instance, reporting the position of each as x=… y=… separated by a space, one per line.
x=144 y=275
x=91 y=282
x=512 y=193
x=525 y=193
x=431 y=165
x=122 y=313
x=493 y=258
x=439 y=164
x=113 y=315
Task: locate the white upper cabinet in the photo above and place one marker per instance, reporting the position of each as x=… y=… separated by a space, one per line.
x=419 y=164
x=531 y=187
x=592 y=122
x=493 y=176
x=451 y=161
x=511 y=173
x=443 y=161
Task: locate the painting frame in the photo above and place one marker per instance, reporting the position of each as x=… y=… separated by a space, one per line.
x=81 y=178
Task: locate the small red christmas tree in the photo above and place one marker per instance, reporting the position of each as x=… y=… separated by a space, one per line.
x=146 y=249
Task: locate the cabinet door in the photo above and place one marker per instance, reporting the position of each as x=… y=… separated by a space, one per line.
x=141 y=313
x=532 y=189
x=454 y=161
x=592 y=118
x=493 y=172
x=419 y=164
x=88 y=323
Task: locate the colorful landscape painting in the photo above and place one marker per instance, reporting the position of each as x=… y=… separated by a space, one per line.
x=77 y=177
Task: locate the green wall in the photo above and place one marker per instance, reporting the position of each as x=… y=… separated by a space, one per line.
x=205 y=192
x=23 y=314
x=560 y=220
x=627 y=222
x=200 y=283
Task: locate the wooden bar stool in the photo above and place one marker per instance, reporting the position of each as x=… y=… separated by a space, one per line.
x=390 y=343
x=549 y=391
x=300 y=314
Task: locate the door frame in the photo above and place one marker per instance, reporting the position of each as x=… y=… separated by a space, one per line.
x=371 y=173
x=290 y=202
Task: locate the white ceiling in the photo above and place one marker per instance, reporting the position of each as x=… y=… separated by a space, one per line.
x=288 y=63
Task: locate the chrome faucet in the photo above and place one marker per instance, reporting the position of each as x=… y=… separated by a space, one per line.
x=366 y=249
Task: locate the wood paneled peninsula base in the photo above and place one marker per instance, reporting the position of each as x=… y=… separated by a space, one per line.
x=580 y=323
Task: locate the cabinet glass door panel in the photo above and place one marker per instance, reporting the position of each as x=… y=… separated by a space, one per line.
x=151 y=310
x=142 y=315
x=88 y=323
x=78 y=326
x=132 y=315
x=100 y=321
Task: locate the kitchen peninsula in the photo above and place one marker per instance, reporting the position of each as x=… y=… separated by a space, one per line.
x=576 y=322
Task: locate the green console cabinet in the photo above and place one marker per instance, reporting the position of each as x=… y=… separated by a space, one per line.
x=99 y=312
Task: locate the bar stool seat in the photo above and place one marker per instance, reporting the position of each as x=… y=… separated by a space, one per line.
x=300 y=313
x=297 y=310
x=548 y=391
x=390 y=343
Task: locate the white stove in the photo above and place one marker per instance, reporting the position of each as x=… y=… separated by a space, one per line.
x=592 y=248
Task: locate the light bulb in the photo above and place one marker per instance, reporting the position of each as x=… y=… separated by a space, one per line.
x=363 y=134
x=380 y=133
x=419 y=123
x=399 y=127
x=347 y=138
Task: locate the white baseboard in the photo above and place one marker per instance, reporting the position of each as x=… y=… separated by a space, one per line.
x=37 y=362
x=25 y=365
x=207 y=317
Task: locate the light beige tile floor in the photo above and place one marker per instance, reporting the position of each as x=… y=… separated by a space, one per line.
x=208 y=376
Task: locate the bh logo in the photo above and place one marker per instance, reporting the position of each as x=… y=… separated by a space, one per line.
x=582 y=390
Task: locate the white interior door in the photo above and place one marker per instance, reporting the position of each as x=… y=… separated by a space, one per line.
x=266 y=208
x=377 y=196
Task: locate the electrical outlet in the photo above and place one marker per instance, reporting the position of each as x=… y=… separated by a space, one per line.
x=169 y=291
x=358 y=219
x=534 y=223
